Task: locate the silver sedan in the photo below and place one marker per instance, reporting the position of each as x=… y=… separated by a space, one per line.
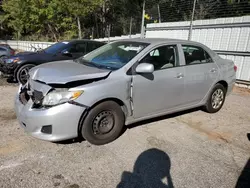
x=121 y=83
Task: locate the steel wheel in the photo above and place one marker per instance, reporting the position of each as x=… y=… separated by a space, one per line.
x=103 y=123
x=217 y=98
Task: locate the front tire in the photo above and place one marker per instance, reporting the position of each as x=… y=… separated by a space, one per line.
x=103 y=124
x=216 y=99
x=23 y=72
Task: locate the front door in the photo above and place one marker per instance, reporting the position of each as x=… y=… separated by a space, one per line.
x=163 y=89
x=200 y=74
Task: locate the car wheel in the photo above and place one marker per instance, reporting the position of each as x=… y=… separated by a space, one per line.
x=103 y=124
x=3 y=57
x=216 y=99
x=23 y=73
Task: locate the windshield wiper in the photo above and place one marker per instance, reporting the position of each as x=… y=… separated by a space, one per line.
x=88 y=63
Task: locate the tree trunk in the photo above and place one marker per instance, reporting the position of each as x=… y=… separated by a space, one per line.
x=53 y=33
x=79 y=28
x=97 y=28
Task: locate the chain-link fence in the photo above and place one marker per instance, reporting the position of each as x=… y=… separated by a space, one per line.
x=158 y=11
x=181 y=10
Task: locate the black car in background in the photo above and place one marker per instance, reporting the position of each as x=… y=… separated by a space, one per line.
x=18 y=66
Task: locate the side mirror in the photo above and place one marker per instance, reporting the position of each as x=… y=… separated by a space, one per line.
x=145 y=68
x=66 y=53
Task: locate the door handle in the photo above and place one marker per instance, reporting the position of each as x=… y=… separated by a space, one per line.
x=179 y=76
x=213 y=70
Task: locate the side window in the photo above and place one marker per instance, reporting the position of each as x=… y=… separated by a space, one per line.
x=81 y=47
x=195 y=55
x=2 y=49
x=92 y=46
x=208 y=57
x=162 y=57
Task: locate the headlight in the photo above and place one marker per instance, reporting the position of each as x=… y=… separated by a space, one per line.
x=59 y=97
x=12 y=60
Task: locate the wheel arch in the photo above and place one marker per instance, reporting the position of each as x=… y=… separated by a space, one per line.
x=224 y=83
x=20 y=65
x=123 y=106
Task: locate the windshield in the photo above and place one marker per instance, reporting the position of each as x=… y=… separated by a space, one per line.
x=115 y=55
x=55 y=48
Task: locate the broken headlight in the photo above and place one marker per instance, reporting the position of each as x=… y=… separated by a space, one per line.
x=58 y=97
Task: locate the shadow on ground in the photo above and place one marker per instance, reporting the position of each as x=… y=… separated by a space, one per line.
x=244 y=179
x=151 y=169
x=162 y=118
x=141 y=123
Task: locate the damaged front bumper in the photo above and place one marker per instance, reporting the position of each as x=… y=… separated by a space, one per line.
x=51 y=124
x=7 y=68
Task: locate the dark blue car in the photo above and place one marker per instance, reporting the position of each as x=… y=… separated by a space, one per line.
x=18 y=66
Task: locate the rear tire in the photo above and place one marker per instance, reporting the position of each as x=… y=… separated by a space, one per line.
x=216 y=99
x=22 y=73
x=103 y=124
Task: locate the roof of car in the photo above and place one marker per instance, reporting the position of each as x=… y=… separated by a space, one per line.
x=5 y=47
x=81 y=40
x=159 y=40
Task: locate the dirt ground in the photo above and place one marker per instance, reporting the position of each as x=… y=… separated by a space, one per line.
x=188 y=149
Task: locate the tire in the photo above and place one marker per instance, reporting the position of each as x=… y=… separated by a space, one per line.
x=3 y=57
x=20 y=75
x=218 y=90
x=103 y=124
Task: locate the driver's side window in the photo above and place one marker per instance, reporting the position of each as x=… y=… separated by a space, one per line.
x=162 y=57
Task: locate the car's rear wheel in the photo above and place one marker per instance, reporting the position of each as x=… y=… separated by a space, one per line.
x=216 y=99
x=22 y=75
x=103 y=124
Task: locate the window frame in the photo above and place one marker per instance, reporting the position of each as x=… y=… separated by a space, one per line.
x=195 y=46
x=177 y=56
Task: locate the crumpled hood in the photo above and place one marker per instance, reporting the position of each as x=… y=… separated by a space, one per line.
x=62 y=72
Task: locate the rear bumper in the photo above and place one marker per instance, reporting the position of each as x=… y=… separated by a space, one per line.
x=63 y=120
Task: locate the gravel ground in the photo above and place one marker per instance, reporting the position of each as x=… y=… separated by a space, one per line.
x=190 y=149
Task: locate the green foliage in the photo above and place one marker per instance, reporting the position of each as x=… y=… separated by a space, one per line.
x=55 y=20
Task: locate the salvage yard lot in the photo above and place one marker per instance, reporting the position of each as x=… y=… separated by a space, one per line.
x=190 y=149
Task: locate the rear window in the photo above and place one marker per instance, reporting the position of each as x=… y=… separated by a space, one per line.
x=195 y=55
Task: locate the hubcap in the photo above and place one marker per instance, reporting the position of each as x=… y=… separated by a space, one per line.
x=103 y=122
x=217 y=98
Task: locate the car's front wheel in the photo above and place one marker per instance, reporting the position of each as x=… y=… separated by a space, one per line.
x=23 y=73
x=216 y=99
x=103 y=123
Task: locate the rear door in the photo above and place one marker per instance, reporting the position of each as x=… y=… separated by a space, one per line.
x=201 y=73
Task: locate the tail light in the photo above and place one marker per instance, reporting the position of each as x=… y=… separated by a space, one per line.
x=12 y=52
x=235 y=68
